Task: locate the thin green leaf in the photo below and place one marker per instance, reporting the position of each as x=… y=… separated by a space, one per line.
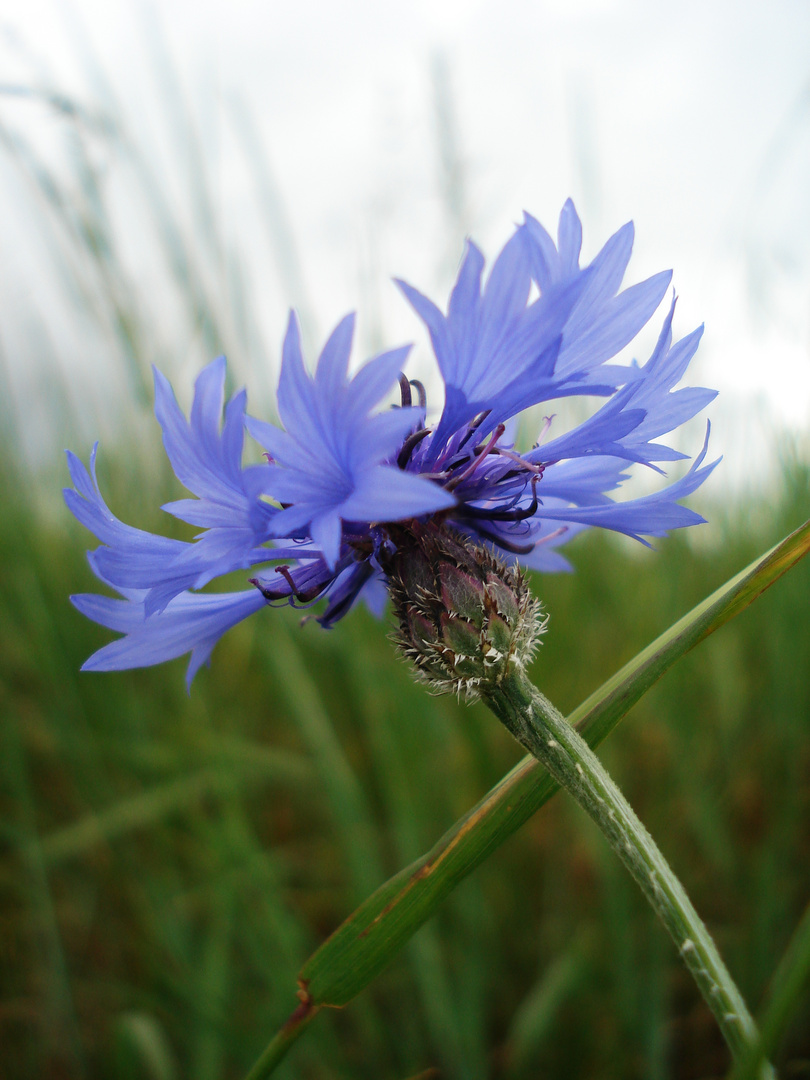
x=534 y=1021
x=789 y=982
x=141 y=1038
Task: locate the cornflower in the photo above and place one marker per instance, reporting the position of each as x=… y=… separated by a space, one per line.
x=341 y=480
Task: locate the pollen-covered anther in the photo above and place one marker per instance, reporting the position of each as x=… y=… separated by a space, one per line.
x=464 y=615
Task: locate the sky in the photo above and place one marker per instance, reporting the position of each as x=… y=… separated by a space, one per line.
x=389 y=132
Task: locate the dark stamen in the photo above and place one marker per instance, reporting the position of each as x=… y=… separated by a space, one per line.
x=303 y=597
x=474 y=426
x=421 y=393
x=457 y=462
x=507 y=515
x=405 y=391
x=336 y=610
x=508 y=545
x=410 y=444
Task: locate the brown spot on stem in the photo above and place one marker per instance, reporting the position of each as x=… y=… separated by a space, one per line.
x=302 y=1011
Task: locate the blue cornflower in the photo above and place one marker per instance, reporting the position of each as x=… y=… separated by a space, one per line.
x=341 y=470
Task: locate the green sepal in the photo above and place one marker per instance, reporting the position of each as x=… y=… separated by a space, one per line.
x=462 y=594
x=503 y=600
x=422 y=631
x=499 y=635
x=461 y=636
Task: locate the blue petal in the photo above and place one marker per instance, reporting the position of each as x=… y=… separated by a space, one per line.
x=190 y=623
x=384 y=493
x=543 y=254
x=437 y=325
x=374 y=380
x=508 y=285
x=569 y=239
x=332 y=444
x=650 y=515
x=609 y=266
x=209 y=463
x=599 y=338
x=209 y=397
x=333 y=363
x=296 y=401
x=326 y=530
x=278 y=443
x=381 y=436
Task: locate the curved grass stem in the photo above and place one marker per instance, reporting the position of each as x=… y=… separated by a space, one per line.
x=546 y=734
x=276 y=1049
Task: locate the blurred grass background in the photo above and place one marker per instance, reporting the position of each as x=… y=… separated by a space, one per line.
x=169 y=861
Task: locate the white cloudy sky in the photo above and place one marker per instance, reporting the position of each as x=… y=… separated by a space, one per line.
x=692 y=118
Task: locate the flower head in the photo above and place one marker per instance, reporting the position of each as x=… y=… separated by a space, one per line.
x=344 y=479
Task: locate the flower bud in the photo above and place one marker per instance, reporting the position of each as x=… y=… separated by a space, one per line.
x=465 y=617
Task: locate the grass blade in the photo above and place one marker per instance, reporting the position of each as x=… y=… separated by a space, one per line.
x=791 y=979
x=151 y=806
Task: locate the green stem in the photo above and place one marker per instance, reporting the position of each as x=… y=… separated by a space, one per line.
x=277 y=1048
x=545 y=733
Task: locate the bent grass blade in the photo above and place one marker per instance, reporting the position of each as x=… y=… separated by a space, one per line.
x=367 y=941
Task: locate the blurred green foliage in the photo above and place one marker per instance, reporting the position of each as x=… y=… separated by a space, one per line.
x=171 y=860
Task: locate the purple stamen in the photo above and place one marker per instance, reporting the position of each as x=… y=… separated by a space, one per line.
x=480 y=454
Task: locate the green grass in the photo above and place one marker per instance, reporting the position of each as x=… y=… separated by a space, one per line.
x=172 y=860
